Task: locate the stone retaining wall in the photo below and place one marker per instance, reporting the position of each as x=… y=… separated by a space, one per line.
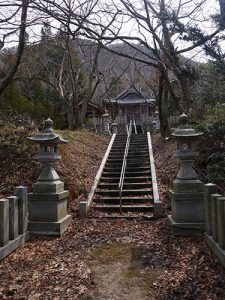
x=13 y=221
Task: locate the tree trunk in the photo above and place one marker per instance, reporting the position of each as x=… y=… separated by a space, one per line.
x=6 y=80
x=74 y=118
x=163 y=108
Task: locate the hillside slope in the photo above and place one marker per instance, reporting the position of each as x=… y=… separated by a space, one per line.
x=81 y=158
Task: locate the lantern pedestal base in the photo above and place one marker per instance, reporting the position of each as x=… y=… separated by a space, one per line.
x=49 y=228
x=187 y=203
x=48 y=213
x=106 y=132
x=186 y=228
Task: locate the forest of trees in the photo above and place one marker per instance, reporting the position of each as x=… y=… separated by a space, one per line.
x=57 y=56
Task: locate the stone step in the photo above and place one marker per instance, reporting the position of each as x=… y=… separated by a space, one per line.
x=130 y=179
x=129 y=157
x=118 y=149
x=129 y=169
x=137 y=169
x=125 y=208
x=128 y=173
x=125 y=192
x=118 y=163
x=134 y=157
x=139 y=159
x=138 y=155
x=138 y=149
x=141 y=139
x=115 y=160
x=116 y=154
x=116 y=200
x=146 y=217
x=134 y=143
x=119 y=143
x=126 y=185
x=137 y=144
x=135 y=163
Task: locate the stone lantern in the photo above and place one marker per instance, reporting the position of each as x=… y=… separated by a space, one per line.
x=114 y=127
x=187 y=196
x=106 y=121
x=48 y=201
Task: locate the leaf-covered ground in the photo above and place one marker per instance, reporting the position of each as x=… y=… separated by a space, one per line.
x=62 y=268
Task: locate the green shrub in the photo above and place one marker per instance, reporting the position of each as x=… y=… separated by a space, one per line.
x=212 y=150
x=13 y=136
x=215 y=114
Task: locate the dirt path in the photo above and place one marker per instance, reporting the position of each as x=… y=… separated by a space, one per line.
x=119 y=272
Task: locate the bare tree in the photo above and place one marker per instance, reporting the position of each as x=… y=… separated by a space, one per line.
x=161 y=32
x=10 y=10
x=70 y=67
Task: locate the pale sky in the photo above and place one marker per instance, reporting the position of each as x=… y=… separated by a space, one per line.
x=129 y=27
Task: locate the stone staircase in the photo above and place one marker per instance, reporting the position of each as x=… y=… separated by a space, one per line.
x=137 y=195
x=122 y=130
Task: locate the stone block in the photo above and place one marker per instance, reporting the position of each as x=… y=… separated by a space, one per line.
x=213 y=199
x=209 y=189
x=83 y=209
x=47 y=211
x=50 y=228
x=221 y=221
x=186 y=171
x=13 y=217
x=21 y=193
x=48 y=187
x=188 y=186
x=187 y=228
x=158 y=210
x=187 y=207
x=4 y=222
x=48 y=196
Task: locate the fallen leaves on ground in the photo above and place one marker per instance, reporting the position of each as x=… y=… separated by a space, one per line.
x=47 y=268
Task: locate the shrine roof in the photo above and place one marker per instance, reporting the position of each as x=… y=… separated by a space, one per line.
x=133 y=101
x=132 y=95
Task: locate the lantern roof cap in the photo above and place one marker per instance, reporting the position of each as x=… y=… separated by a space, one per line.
x=106 y=114
x=184 y=130
x=47 y=135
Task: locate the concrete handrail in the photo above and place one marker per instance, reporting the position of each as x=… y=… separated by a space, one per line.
x=85 y=205
x=157 y=202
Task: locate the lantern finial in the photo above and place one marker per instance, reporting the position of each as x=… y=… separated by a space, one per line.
x=183 y=120
x=48 y=126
